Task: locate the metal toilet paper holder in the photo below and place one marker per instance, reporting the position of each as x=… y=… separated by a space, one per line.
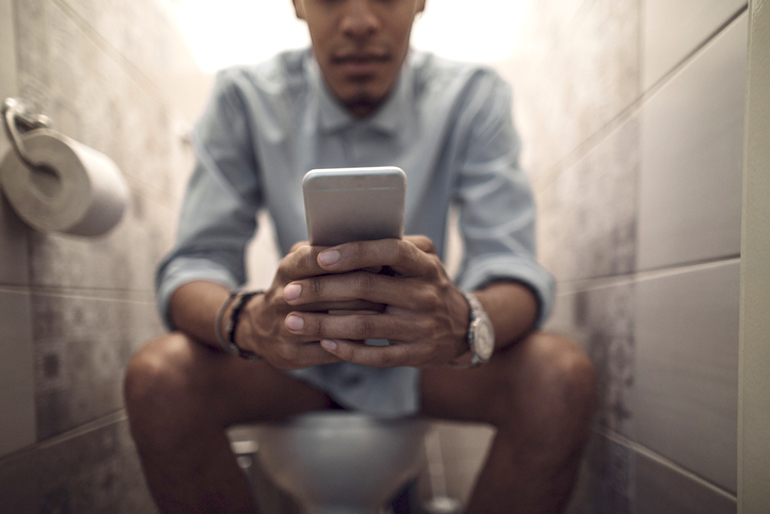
x=17 y=120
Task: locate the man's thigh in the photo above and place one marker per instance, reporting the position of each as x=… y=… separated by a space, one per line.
x=187 y=376
x=514 y=383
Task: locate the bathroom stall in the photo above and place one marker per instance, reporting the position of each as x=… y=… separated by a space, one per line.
x=644 y=125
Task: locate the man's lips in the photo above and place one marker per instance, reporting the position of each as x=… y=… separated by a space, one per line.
x=360 y=63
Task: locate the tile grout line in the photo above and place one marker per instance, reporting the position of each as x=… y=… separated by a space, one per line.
x=73 y=433
x=141 y=296
x=663 y=461
x=587 y=284
x=582 y=149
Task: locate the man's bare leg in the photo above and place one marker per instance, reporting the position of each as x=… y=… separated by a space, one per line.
x=540 y=395
x=180 y=398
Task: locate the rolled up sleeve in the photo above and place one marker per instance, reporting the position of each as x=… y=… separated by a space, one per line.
x=497 y=209
x=218 y=216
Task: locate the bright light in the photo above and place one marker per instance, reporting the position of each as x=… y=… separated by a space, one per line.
x=225 y=32
x=470 y=30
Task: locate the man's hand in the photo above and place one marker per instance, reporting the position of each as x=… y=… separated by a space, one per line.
x=263 y=328
x=425 y=316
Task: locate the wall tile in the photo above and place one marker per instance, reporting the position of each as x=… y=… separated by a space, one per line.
x=31 y=38
x=95 y=471
x=95 y=67
x=662 y=488
x=18 y=482
x=14 y=247
x=577 y=70
x=590 y=208
x=124 y=259
x=685 y=402
x=81 y=348
x=113 y=114
x=674 y=29
x=17 y=415
x=606 y=481
x=602 y=320
x=690 y=192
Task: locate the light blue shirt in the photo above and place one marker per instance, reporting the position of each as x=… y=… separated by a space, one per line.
x=447 y=125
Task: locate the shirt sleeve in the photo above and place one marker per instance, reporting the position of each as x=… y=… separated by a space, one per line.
x=497 y=209
x=218 y=215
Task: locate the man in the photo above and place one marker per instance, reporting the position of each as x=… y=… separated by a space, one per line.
x=360 y=99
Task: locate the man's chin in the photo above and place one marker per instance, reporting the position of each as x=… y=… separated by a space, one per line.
x=363 y=105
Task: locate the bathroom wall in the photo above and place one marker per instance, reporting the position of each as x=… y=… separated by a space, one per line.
x=73 y=310
x=632 y=114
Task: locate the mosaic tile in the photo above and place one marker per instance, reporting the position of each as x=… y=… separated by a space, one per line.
x=81 y=347
x=96 y=471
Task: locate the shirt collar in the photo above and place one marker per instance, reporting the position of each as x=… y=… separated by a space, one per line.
x=332 y=116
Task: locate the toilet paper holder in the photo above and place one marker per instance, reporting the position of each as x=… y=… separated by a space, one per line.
x=54 y=183
x=17 y=120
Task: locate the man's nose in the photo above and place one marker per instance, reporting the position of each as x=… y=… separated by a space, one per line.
x=359 y=20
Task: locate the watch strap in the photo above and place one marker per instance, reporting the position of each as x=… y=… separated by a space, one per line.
x=475 y=311
x=241 y=299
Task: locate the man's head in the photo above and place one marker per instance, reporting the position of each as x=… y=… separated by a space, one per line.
x=360 y=46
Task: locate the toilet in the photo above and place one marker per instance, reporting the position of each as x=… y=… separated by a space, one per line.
x=340 y=462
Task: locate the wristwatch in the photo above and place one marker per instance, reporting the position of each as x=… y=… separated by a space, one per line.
x=481 y=334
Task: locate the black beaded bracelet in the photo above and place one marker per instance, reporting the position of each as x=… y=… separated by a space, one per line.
x=240 y=302
x=223 y=344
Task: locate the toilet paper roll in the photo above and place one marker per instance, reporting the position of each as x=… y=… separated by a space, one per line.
x=73 y=188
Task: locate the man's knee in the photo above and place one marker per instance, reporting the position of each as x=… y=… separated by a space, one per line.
x=553 y=375
x=157 y=386
x=569 y=370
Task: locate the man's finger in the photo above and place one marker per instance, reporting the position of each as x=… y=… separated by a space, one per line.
x=422 y=242
x=377 y=289
x=301 y=262
x=402 y=256
x=377 y=356
x=314 y=326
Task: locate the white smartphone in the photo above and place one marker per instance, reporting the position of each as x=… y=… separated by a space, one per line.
x=354 y=204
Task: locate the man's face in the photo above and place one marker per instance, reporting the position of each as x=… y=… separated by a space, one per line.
x=360 y=46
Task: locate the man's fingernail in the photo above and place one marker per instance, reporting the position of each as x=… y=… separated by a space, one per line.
x=328 y=257
x=292 y=291
x=328 y=344
x=294 y=323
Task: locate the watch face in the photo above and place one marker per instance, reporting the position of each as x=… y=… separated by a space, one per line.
x=483 y=339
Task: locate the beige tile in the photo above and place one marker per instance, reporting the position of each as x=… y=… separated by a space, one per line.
x=578 y=70
x=601 y=319
x=692 y=155
x=590 y=208
x=673 y=29
x=686 y=369
x=663 y=488
x=605 y=483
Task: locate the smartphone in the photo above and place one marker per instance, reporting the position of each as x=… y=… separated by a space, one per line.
x=354 y=204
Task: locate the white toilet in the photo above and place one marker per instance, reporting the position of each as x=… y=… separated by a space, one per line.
x=339 y=462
